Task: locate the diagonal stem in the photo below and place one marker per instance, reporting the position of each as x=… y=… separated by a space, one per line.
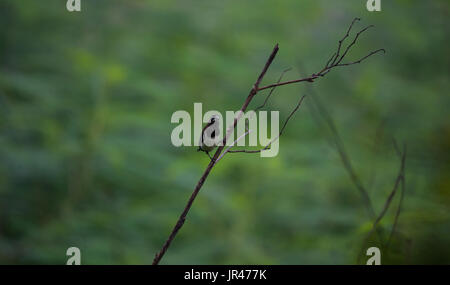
x=211 y=164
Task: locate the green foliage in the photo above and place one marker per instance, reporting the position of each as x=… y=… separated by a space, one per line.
x=85 y=153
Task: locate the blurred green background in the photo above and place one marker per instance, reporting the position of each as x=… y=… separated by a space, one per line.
x=86 y=158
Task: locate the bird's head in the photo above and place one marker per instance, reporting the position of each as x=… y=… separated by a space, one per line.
x=213 y=119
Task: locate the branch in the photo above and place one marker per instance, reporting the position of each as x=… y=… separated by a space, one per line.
x=335 y=60
x=208 y=169
x=354 y=177
x=394 y=190
x=273 y=88
x=400 y=179
x=274 y=139
x=264 y=103
x=340 y=147
x=402 y=194
x=336 y=54
x=253 y=91
x=234 y=143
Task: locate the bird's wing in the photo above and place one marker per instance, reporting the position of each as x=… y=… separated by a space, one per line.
x=203 y=132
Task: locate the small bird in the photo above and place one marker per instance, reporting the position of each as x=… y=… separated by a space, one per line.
x=209 y=134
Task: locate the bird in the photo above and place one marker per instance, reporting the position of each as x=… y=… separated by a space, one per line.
x=209 y=135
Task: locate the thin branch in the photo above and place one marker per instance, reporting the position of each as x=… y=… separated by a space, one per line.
x=264 y=103
x=363 y=58
x=253 y=91
x=402 y=194
x=208 y=169
x=329 y=61
x=398 y=180
x=392 y=194
x=307 y=79
x=292 y=114
x=353 y=43
x=271 y=90
x=247 y=150
x=343 y=39
x=274 y=139
x=336 y=139
x=347 y=164
x=233 y=144
x=335 y=60
x=396 y=148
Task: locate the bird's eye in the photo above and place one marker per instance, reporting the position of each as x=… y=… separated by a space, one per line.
x=213 y=120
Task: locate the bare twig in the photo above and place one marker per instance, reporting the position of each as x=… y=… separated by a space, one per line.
x=337 y=141
x=208 y=169
x=277 y=137
x=400 y=179
x=402 y=194
x=261 y=106
x=233 y=144
x=291 y=114
x=340 y=147
x=253 y=91
x=273 y=88
x=335 y=60
x=351 y=44
x=392 y=194
x=336 y=54
x=354 y=177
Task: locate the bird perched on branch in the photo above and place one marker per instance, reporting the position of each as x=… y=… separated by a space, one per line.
x=208 y=139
